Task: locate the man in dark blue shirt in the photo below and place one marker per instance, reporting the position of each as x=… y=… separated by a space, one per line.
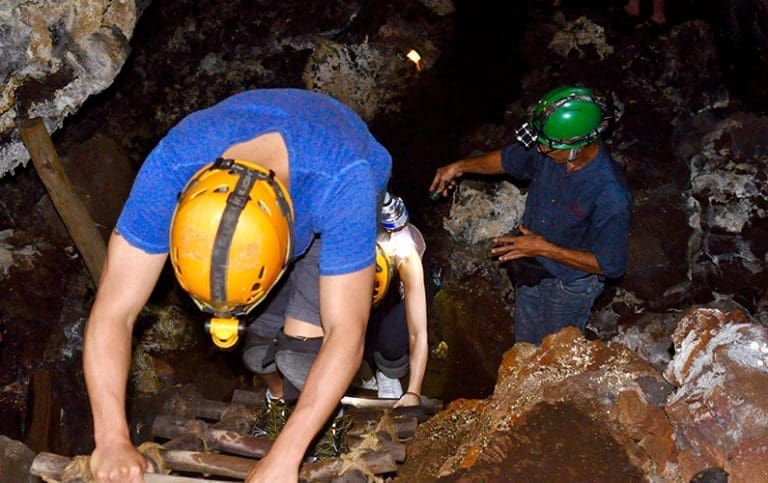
x=576 y=221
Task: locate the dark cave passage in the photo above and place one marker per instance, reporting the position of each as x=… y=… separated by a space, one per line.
x=472 y=84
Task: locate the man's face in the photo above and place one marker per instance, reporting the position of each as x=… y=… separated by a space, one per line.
x=560 y=156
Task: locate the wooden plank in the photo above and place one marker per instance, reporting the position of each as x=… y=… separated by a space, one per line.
x=51 y=468
x=70 y=207
x=44 y=413
x=429 y=404
x=215 y=439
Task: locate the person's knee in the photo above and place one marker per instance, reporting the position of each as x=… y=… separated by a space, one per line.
x=395 y=369
x=295 y=356
x=256 y=354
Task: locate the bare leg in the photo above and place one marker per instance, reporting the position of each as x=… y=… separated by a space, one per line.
x=633 y=7
x=274 y=382
x=658 y=14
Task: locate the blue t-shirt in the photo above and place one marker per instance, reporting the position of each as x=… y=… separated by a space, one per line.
x=584 y=210
x=336 y=168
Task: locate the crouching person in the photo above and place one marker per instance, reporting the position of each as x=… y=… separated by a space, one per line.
x=396 y=339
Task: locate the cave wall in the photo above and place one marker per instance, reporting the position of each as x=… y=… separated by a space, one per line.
x=54 y=55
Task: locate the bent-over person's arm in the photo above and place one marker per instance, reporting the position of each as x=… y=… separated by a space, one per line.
x=411 y=272
x=345 y=303
x=127 y=280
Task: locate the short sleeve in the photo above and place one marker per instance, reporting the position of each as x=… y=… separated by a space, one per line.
x=346 y=221
x=609 y=233
x=146 y=216
x=519 y=162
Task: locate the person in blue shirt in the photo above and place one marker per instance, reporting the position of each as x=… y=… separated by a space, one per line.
x=264 y=183
x=575 y=226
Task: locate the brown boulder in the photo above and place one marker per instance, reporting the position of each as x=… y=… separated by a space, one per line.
x=720 y=408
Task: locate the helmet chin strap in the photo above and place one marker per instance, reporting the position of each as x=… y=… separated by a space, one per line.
x=573 y=153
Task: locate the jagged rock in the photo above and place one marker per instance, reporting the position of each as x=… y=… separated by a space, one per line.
x=15 y=461
x=55 y=55
x=728 y=194
x=32 y=275
x=365 y=77
x=477 y=215
x=100 y=173
x=606 y=313
x=578 y=33
x=440 y=7
x=747 y=461
x=691 y=80
x=710 y=475
x=45 y=296
x=373 y=76
x=566 y=384
x=719 y=411
x=649 y=336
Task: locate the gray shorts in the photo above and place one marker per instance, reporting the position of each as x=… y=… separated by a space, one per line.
x=295 y=297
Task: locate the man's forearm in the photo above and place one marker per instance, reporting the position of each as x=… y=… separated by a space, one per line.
x=488 y=163
x=578 y=259
x=328 y=379
x=106 y=359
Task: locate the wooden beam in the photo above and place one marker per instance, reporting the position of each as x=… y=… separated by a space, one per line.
x=51 y=468
x=430 y=405
x=44 y=409
x=169 y=427
x=70 y=207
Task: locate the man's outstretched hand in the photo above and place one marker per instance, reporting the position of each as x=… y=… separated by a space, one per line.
x=445 y=178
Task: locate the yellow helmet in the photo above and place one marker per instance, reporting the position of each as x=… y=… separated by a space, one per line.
x=384 y=274
x=231 y=236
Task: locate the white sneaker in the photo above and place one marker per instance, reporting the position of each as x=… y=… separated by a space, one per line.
x=370 y=384
x=388 y=388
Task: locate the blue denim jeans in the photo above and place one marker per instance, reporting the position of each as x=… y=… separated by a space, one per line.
x=553 y=305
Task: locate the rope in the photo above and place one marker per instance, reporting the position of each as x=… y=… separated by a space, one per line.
x=370 y=442
x=78 y=469
x=151 y=451
x=350 y=461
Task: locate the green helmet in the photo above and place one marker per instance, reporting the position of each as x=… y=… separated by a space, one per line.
x=567 y=117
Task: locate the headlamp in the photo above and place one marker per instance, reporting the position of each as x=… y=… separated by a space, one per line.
x=394 y=214
x=225 y=332
x=526 y=136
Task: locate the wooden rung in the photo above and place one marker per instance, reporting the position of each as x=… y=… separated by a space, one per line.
x=51 y=468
